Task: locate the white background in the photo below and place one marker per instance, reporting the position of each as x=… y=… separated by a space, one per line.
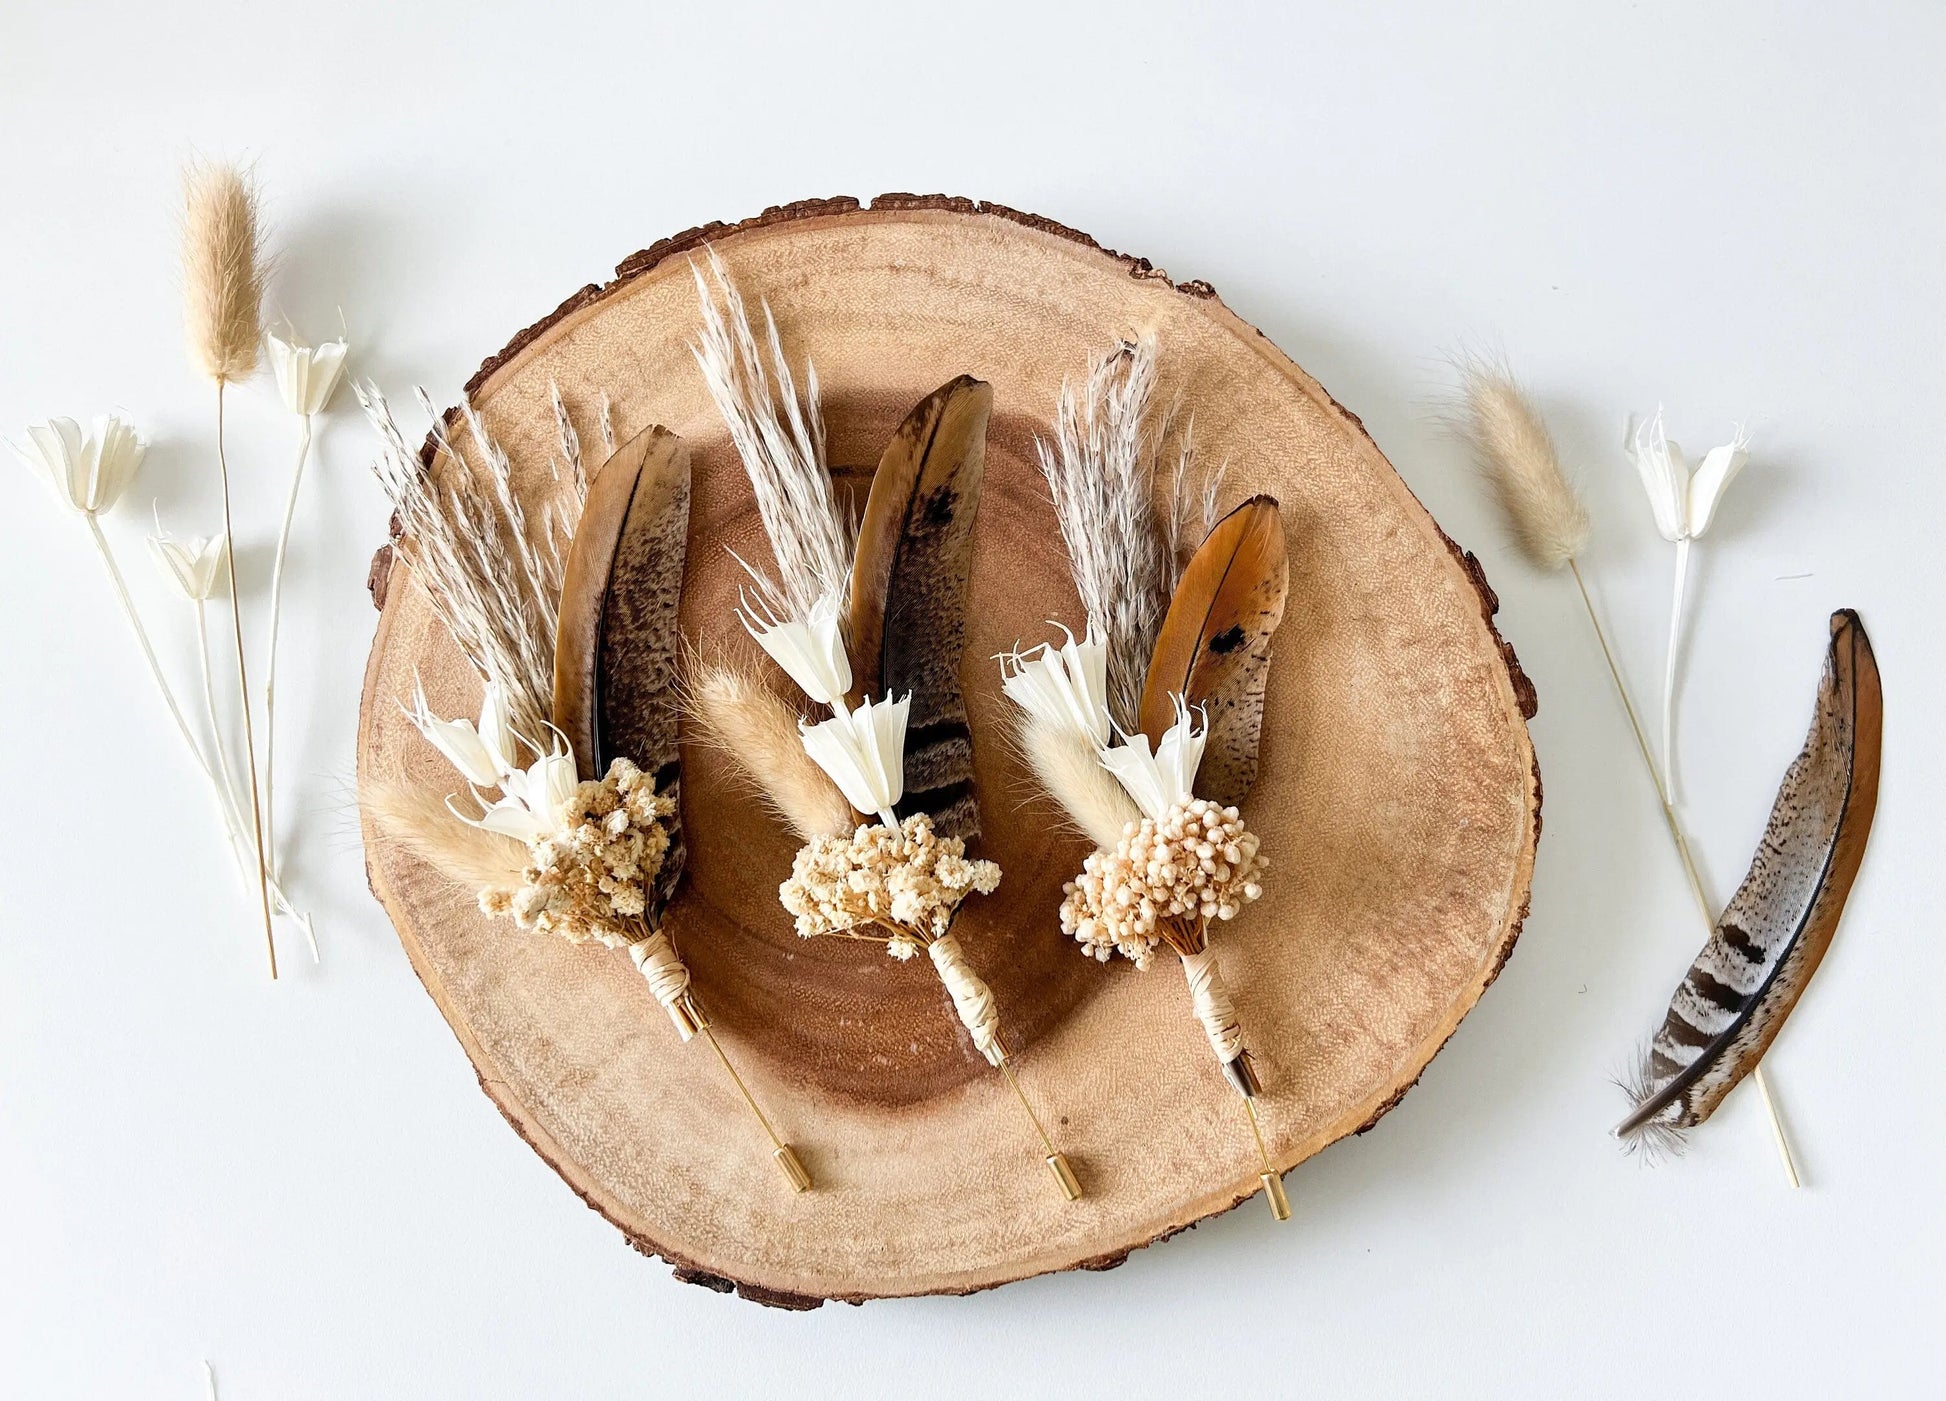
x=1732 y=210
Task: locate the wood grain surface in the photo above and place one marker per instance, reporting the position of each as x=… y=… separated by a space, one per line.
x=1398 y=799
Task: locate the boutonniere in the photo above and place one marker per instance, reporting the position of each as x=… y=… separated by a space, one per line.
x=570 y=824
x=1145 y=729
x=872 y=635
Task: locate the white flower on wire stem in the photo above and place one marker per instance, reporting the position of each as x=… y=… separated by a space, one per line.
x=1160 y=780
x=306 y=376
x=1066 y=687
x=192 y=565
x=864 y=752
x=89 y=471
x=1684 y=501
x=811 y=649
x=483 y=755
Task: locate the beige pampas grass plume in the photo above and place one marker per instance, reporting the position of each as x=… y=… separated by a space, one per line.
x=1516 y=453
x=730 y=710
x=1065 y=762
x=419 y=820
x=223 y=270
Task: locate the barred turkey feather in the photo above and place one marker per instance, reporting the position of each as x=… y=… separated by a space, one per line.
x=908 y=593
x=618 y=657
x=1775 y=930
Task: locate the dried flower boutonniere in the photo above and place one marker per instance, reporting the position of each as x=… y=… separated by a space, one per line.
x=573 y=769
x=884 y=619
x=1161 y=695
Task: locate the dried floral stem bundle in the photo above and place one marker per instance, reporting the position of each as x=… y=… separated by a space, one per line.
x=883 y=618
x=223 y=281
x=1160 y=698
x=1516 y=454
x=90 y=472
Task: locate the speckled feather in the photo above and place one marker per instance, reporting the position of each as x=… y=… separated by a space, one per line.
x=637 y=647
x=1775 y=930
x=1214 y=647
x=908 y=594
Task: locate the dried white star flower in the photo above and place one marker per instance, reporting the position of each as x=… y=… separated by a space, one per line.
x=88 y=470
x=810 y=649
x=864 y=752
x=483 y=755
x=192 y=565
x=533 y=803
x=1066 y=687
x=306 y=376
x=1159 y=781
x=1684 y=503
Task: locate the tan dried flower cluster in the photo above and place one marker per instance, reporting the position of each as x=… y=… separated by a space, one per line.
x=591 y=880
x=1199 y=863
x=911 y=878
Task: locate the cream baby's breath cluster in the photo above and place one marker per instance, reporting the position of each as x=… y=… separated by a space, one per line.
x=591 y=878
x=906 y=877
x=1198 y=863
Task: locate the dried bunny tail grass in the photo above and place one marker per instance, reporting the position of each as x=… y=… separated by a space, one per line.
x=223 y=270
x=1513 y=449
x=781 y=442
x=732 y=711
x=419 y=820
x=1069 y=769
x=492 y=572
x=1100 y=472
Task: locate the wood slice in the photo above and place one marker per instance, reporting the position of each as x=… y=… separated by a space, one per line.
x=1399 y=800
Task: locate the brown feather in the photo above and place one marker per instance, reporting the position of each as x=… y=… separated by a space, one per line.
x=1775 y=930
x=1214 y=648
x=908 y=594
x=618 y=662
x=584 y=590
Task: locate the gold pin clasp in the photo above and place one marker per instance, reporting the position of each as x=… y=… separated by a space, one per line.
x=1057 y=1163
x=1280 y=1205
x=793 y=1167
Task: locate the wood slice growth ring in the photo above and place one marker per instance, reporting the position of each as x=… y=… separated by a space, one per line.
x=1398 y=798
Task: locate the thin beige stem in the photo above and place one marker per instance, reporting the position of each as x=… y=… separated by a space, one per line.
x=1033 y=1118
x=209 y=700
x=243 y=692
x=785 y=1157
x=270 y=651
x=1681 y=842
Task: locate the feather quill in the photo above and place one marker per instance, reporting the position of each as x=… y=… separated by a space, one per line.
x=1214 y=647
x=733 y=712
x=908 y=593
x=1775 y=931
